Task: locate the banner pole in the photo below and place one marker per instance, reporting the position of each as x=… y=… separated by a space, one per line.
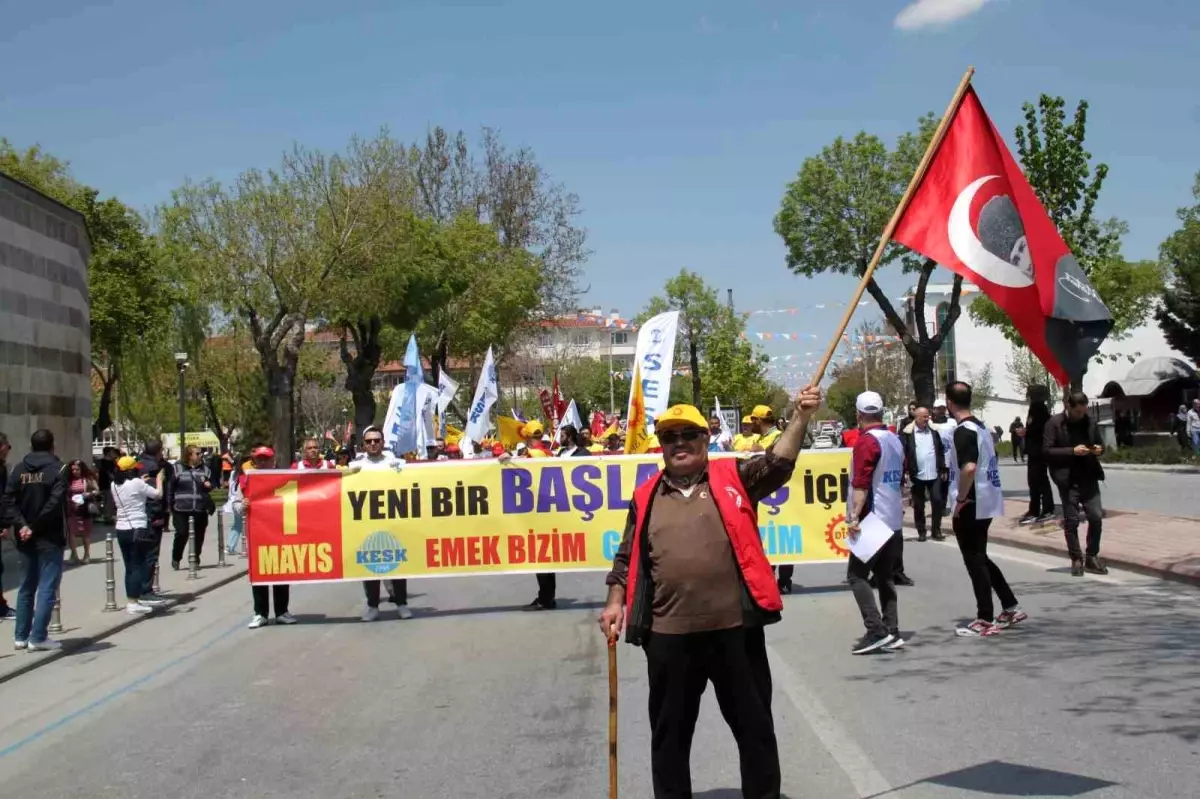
x=938 y=134
x=613 y=782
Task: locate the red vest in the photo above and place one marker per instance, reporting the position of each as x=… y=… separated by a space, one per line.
x=741 y=524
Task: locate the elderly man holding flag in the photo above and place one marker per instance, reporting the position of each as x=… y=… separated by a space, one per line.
x=691 y=585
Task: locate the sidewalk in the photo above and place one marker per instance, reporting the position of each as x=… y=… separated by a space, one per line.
x=82 y=597
x=1149 y=543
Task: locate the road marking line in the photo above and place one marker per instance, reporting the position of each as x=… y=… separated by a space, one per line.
x=849 y=756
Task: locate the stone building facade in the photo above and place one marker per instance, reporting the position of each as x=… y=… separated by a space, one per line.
x=45 y=323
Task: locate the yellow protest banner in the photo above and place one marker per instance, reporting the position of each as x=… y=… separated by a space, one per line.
x=489 y=517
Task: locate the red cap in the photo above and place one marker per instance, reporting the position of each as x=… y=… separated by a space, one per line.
x=262 y=452
x=452 y=448
x=497 y=449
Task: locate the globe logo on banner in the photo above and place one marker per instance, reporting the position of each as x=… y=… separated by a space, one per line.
x=381 y=553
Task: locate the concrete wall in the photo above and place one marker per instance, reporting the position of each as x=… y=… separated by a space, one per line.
x=45 y=323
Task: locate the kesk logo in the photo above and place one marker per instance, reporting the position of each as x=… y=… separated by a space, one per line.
x=381 y=553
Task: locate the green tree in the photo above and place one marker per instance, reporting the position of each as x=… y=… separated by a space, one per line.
x=1058 y=166
x=698 y=311
x=1179 y=312
x=1026 y=371
x=129 y=294
x=732 y=368
x=833 y=214
x=873 y=361
x=269 y=248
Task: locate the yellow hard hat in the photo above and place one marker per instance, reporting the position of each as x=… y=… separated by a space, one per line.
x=762 y=412
x=127 y=463
x=746 y=420
x=680 y=416
x=532 y=429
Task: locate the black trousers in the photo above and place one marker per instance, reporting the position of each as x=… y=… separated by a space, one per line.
x=680 y=668
x=1017 y=446
x=547 y=587
x=972 y=535
x=932 y=489
x=883 y=565
x=785 y=573
x=1041 y=498
x=1088 y=495
x=398 y=592
x=262 y=599
x=179 y=544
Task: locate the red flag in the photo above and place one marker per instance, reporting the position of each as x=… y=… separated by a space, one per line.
x=976 y=214
x=548 y=407
x=599 y=424
x=560 y=406
x=349 y=433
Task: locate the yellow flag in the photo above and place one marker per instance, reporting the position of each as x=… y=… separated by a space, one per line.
x=509 y=430
x=453 y=434
x=637 y=440
x=612 y=430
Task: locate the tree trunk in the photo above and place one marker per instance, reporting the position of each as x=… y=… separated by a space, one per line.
x=210 y=411
x=104 y=420
x=924 y=382
x=694 y=355
x=361 y=366
x=280 y=382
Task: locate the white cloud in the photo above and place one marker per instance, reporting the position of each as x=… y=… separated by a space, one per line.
x=921 y=14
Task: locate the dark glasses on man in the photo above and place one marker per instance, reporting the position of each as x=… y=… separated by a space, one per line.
x=689 y=435
x=372 y=440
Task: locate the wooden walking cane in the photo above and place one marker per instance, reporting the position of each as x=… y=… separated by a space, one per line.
x=612 y=717
x=922 y=167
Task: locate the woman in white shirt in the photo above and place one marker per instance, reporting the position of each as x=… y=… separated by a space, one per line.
x=130 y=493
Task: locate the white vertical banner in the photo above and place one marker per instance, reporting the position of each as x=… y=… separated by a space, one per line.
x=571 y=417
x=486 y=393
x=447 y=388
x=655 y=357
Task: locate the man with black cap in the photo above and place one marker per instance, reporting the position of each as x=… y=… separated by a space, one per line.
x=691 y=584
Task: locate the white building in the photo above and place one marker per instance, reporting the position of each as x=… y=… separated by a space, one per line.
x=972 y=346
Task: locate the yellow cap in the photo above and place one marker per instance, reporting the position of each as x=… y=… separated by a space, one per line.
x=746 y=420
x=127 y=463
x=532 y=429
x=762 y=412
x=681 y=416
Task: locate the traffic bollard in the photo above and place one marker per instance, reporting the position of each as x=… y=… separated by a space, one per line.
x=221 y=540
x=155 y=588
x=110 y=574
x=193 y=560
x=56 y=613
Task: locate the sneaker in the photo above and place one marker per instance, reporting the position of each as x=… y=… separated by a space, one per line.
x=137 y=609
x=370 y=614
x=903 y=579
x=871 y=642
x=48 y=645
x=977 y=629
x=1094 y=565
x=1028 y=518
x=1076 y=567
x=896 y=643
x=1011 y=617
x=286 y=618
x=152 y=601
x=405 y=613
x=256 y=622
x=20 y=644
x=8 y=614
x=1046 y=517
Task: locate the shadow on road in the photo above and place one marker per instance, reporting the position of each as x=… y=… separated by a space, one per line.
x=998 y=778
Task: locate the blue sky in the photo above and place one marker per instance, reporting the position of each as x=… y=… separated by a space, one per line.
x=678 y=124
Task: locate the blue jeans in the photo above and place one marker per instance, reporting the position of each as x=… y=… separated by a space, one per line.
x=41 y=571
x=1196 y=441
x=136 y=564
x=235 y=534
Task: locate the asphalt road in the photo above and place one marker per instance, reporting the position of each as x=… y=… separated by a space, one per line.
x=1169 y=493
x=1097 y=695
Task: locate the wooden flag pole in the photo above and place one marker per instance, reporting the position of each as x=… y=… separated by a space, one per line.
x=613 y=782
x=930 y=151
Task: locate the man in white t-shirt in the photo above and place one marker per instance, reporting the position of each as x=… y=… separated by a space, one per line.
x=375 y=458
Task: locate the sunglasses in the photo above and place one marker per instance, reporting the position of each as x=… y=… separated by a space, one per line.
x=372 y=440
x=689 y=435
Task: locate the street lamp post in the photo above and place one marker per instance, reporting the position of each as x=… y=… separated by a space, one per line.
x=181 y=361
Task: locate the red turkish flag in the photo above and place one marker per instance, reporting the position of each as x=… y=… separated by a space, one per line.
x=976 y=214
x=560 y=405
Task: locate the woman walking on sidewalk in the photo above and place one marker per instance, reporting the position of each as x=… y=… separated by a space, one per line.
x=130 y=493
x=82 y=495
x=191 y=504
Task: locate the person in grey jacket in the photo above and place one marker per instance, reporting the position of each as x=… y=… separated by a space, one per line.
x=1071 y=441
x=190 y=503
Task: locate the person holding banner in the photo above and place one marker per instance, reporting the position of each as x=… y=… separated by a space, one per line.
x=691 y=585
x=264 y=458
x=376 y=458
x=572 y=447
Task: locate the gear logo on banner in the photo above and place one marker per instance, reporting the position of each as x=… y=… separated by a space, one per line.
x=835 y=533
x=381 y=553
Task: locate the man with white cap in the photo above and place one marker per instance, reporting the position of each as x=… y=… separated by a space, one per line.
x=876 y=474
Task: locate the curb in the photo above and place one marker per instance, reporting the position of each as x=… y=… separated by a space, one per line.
x=1118 y=562
x=82 y=643
x=1153 y=468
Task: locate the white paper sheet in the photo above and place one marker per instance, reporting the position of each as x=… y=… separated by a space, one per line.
x=873 y=534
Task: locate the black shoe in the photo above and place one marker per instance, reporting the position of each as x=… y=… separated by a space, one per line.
x=537 y=604
x=1094 y=565
x=785 y=587
x=175 y=565
x=938 y=535
x=920 y=536
x=903 y=579
x=1076 y=567
x=871 y=642
x=871 y=581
